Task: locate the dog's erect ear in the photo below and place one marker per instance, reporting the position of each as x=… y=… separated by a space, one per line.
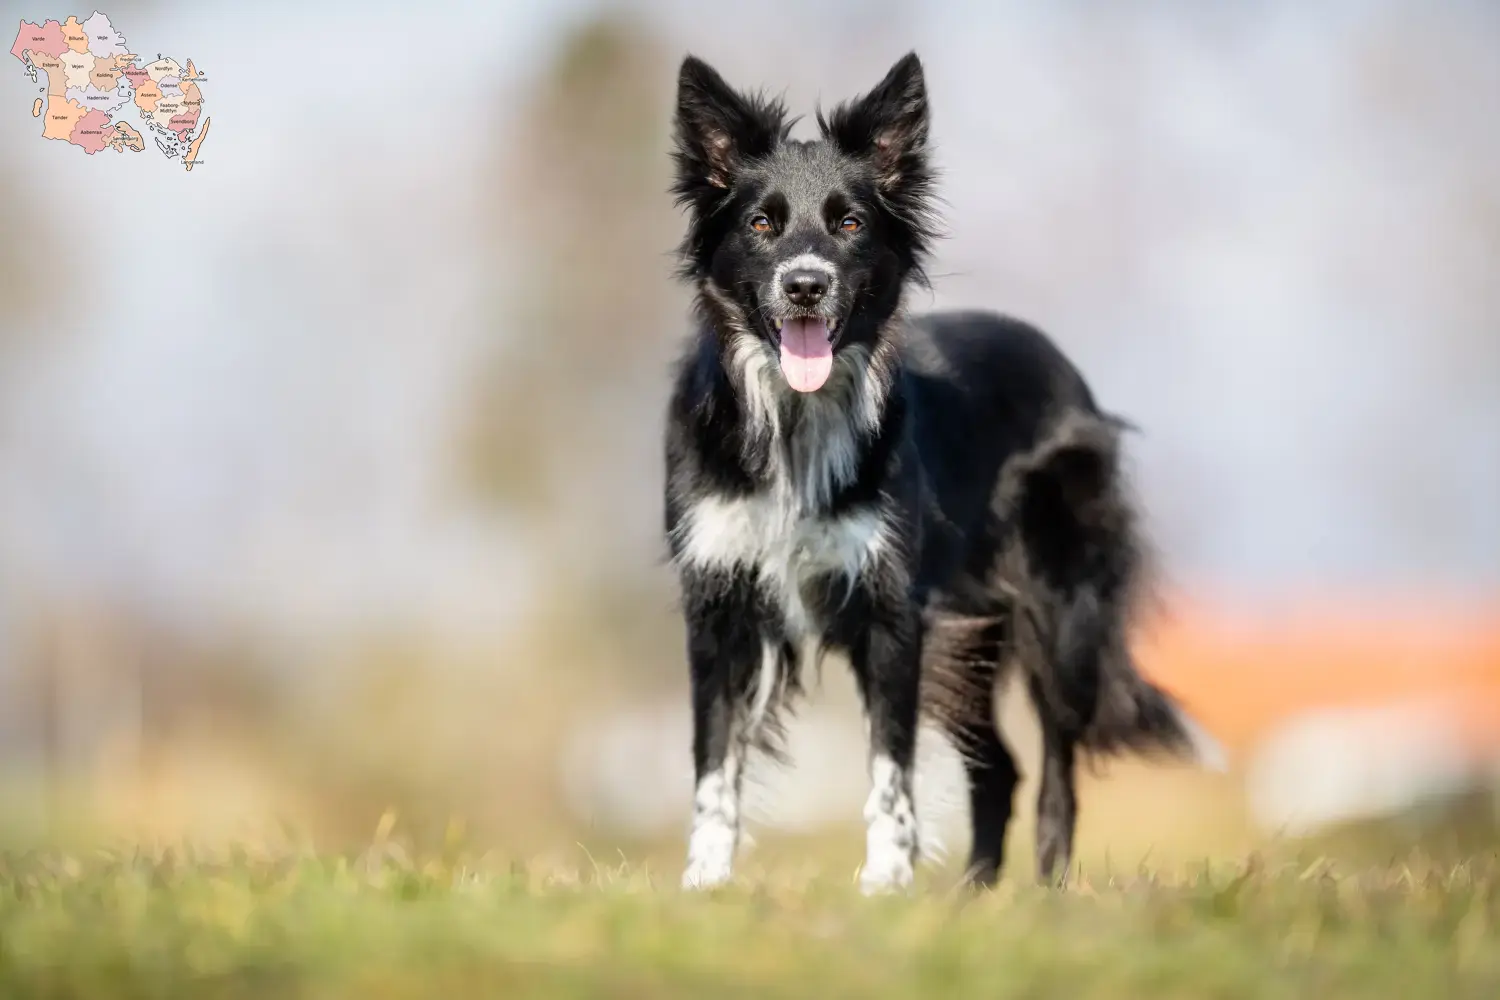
x=718 y=129
x=888 y=125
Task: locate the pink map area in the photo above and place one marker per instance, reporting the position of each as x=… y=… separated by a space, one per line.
x=92 y=132
x=184 y=123
x=45 y=38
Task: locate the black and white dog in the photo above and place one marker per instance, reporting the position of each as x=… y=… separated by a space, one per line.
x=937 y=498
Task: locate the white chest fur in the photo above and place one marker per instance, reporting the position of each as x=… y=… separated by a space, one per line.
x=782 y=534
x=767 y=535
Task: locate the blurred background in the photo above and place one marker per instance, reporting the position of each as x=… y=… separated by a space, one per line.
x=329 y=472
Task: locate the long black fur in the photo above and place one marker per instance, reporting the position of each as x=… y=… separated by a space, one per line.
x=1011 y=540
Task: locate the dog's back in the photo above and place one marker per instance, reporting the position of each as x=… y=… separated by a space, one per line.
x=985 y=389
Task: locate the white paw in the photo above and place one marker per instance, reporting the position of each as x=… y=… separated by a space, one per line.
x=890 y=855
x=703 y=874
x=891 y=839
x=889 y=874
x=716 y=829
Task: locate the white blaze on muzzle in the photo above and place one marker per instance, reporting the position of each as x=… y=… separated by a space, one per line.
x=806 y=341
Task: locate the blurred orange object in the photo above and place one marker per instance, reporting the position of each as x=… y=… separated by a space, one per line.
x=1244 y=674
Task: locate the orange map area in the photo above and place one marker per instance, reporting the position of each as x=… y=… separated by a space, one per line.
x=89 y=74
x=125 y=137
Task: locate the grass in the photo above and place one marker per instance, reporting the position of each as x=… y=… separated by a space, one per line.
x=296 y=924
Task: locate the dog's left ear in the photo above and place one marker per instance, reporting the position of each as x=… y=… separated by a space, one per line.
x=888 y=125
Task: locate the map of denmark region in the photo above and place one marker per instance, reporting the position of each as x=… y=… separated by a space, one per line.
x=163 y=68
x=57 y=80
x=96 y=100
x=61 y=117
x=146 y=96
x=192 y=153
x=91 y=74
x=106 y=73
x=167 y=111
x=92 y=132
x=75 y=36
x=44 y=39
x=187 y=119
x=104 y=40
x=192 y=99
x=125 y=138
x=77 y=67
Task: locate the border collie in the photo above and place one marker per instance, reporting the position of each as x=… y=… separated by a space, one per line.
x=938 y=499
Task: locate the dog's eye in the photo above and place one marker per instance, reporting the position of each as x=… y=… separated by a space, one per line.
x=760 y=224
x=850 y=224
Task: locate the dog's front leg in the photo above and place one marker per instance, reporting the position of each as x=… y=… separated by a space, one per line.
x=724 y=651
x=887 y=666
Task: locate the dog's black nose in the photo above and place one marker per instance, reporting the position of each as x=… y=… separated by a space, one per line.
x=805 y=287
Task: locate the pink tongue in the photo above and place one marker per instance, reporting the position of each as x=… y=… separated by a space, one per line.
x=806 y=354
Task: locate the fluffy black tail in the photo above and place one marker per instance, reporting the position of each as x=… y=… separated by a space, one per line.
x=1074 y=570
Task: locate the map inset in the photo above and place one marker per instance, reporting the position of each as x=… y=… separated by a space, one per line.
x=87 y=75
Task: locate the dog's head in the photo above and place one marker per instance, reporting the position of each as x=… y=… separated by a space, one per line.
x=803 y=245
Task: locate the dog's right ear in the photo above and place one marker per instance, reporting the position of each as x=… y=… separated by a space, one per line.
x=718 y=129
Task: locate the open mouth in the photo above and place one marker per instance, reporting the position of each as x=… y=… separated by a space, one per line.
x=806 y=351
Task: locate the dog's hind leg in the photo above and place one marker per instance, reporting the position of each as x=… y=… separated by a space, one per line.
x=1057 y=799
x=969 y=679
x=992 y=784
x=887 y=664
x=966 y=648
